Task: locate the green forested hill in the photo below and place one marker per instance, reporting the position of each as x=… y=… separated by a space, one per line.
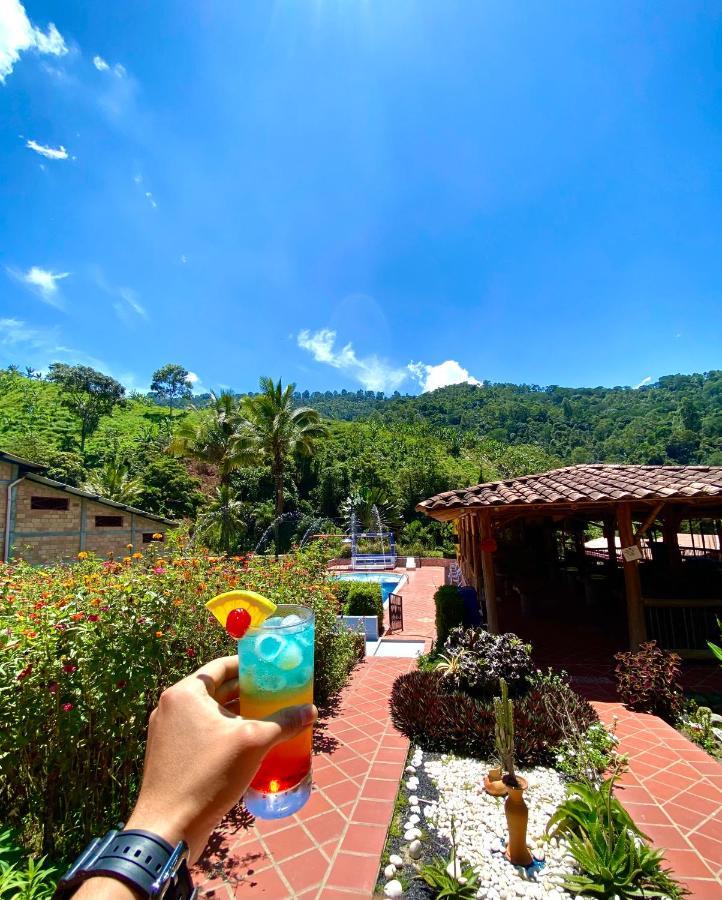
x=391 y=451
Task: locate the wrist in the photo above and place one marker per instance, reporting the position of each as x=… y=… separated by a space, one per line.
x=101 y=887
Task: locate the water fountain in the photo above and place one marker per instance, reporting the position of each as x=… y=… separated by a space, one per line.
x=379 y=527
x=284 y=517
x=312 y=529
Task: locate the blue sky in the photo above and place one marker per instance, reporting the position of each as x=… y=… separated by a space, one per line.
x=362 y=193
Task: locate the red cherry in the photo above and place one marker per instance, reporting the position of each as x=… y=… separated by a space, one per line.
x=238 y=622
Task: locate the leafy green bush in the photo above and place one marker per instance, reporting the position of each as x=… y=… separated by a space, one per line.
x=608 y=847
x=648 y=680
x=437 y=719
x=485 y=659
x=703 y=727
x=359 y=598
x=449 y=611
x=86 y=651
x=23 y=877
x=587 y=755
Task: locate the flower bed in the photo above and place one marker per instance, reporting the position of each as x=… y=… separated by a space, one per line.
x=87 y=650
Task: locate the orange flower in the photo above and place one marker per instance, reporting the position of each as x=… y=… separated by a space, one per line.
x=177 y=603
x=157 y=536
x=128 y=546
x=159 y=634
x=126 y=559
x=137 y=555
x=82 y=555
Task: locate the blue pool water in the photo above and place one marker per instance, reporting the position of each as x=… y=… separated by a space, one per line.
x=387 y=582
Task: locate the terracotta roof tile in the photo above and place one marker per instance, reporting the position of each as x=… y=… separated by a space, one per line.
x=592 y=483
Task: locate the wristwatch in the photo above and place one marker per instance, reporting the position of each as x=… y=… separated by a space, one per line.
x=142 y=860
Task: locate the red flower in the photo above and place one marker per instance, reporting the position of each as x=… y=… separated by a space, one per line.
x=25 y=672
x=190 y=652
x=77 y=616
x=159 y=570
x=104 y=608
x=67 y=707
x=69 y=668
x=53 y=687
x=93 y=618
x=121 y=684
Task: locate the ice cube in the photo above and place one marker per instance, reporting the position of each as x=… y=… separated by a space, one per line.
x=290 y=657
x=293 y=619
x=273 y=622
x=300 y=676
x=269 y=681
x=268 y=646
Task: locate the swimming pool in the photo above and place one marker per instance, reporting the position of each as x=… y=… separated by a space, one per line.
x=388 y=583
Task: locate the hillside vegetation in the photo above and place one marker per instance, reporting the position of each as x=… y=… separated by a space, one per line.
x=388 y=452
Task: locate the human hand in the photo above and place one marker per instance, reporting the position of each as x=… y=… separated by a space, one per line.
x=201 y=756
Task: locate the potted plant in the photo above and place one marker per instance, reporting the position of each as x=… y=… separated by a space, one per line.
x=515 y=809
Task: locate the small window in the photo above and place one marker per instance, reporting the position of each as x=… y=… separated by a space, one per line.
x=150 y=536
x=48 y=503
x=108 y=521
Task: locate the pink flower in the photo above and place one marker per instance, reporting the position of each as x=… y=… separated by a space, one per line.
x=104 y=608
x=159 y=570
x=190 y=652
x=67 y=707
x=25 y=672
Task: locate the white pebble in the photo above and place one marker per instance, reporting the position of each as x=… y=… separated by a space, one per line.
x=413 y=819
x=413 y=800
x=412 y=834
x=393 y=888
x=389 y=871
x=410 y=769
x=415 y=849
x=396 y=860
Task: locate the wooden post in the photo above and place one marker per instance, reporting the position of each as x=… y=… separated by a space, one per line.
x=610 y=534
x=478 y=567
x=632 y=586
x=670 y=526
x=487 y=569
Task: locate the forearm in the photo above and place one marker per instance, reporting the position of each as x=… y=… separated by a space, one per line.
x=100 y=888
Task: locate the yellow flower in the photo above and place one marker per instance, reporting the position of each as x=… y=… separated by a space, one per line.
x=157 y=536
x=82 y=555
x=126 y=559
x=137 y=555
x=160 y=562
x=128 y=546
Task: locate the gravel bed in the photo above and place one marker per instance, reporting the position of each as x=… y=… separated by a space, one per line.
x=446 y=786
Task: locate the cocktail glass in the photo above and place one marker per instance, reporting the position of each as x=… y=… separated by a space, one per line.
x=275 y=666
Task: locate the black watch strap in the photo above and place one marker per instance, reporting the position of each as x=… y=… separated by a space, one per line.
x=144 y=861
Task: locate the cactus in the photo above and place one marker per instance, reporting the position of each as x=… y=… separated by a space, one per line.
x=504 y=728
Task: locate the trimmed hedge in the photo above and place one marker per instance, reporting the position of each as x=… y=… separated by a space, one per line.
x=360 y=598
x=437 y=720
x=449 y=611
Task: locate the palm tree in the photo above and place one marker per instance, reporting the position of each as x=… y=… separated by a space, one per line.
x=222 y=524
x=276 y=430
x=114 y=482
x=218 y=436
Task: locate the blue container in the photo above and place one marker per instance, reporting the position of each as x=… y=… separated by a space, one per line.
x=472 y=613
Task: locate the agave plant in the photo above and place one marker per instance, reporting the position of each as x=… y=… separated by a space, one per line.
x=457 y=884
x=449 y=664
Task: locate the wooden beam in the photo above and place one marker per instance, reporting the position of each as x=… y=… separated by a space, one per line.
x=633 y=589
x=644 y=527
x=478 y=566
x=610 y=533
x=487 y=568
x=670 y=526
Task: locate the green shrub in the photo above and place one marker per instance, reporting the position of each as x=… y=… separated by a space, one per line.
x=449 y=611
x=486 y=658
x=609 y=849
x=703 y=727
x=23 y=877
x=450 y=722
x=360 y=598
x=648 y=680
x=86 y=651
x=587 y=755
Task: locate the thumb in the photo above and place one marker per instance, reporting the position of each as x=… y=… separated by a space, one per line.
x=285 y=724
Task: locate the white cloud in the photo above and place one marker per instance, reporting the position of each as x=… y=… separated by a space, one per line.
x=151 y=199
x=18 y=34
x=138 y=179
x=184 y=258
x=645 y=380
x=449 y=372
x=127 y=305
x=44 y=282
x=48 y=152
x=103 y=66
x=193 y=378
x=370 y=371
x=100 y=64
x=119 y=71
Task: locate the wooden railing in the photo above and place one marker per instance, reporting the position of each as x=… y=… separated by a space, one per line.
x=683 y=625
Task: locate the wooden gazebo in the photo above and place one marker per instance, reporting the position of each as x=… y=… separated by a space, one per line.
x=633 y=502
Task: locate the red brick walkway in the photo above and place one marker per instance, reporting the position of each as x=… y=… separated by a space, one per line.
x=673 y=791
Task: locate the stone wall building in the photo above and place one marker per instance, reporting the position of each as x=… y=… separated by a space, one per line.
x=45 y=521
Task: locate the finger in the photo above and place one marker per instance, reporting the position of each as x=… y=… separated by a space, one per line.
x=283 y=725
x=216 y=672
x=226 y=692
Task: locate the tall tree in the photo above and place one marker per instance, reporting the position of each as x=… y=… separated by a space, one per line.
x=89 y=394
x=171 y=383
x=278 y=429
x=218 y=436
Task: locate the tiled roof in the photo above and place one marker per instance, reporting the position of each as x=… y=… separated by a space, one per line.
x=597 y=483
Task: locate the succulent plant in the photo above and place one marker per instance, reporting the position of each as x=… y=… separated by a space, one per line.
x=504 y=728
